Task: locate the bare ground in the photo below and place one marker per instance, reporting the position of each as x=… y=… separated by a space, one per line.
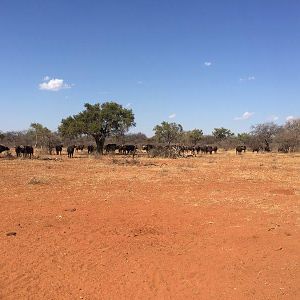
x=211 y=227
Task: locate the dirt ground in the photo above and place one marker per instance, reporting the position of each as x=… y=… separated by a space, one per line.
x=223 y=226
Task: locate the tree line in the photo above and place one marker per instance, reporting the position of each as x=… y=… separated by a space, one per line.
x=110 y=122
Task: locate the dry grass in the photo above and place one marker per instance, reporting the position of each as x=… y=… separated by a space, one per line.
x=38 y=180
x=151 y=228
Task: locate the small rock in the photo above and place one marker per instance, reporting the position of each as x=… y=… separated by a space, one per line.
x=71 y=209
x=11 y=233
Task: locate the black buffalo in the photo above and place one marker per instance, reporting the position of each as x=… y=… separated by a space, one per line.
x=148 y=147
x=19 y=151
x=127 y=149
x=58 y=149
x=79 y=147
x=209 y=149
x=70 y=151
x=261 y=148
x=198 y=149
x=28 y=151
x=3 y=148
x=110 y=148
x=203 y=149
x=215 y=149
x=187 y=149
x=90 y=148
x=206 y=149
x=240 y=149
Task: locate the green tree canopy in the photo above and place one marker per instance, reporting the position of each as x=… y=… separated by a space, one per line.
x=41 y=134
x=168 y=132
x=222 y=133
x=99 y=121
x=194 y=136
x=244 y=137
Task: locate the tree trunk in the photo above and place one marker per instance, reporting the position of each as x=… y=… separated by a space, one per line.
x=100 y=144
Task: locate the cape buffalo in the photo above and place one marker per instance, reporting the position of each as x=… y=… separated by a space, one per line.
x=147 y=147
x=240 y=149
x=58 y=149
x=127 y=149
x=19 y=150
x=28 y=151
x=70 y=151
x=79 y=147
x=110 y=148
x=90 y=148
x=215 y=149
x=3 y=148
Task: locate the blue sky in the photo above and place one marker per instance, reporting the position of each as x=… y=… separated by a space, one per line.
x=203 y=64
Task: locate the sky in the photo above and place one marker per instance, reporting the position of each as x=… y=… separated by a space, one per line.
x=203 y=64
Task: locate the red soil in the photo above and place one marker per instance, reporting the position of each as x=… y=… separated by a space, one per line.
x=212 y=227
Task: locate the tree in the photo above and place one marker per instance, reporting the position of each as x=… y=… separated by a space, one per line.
x=264 y=133
x=168 y=132
x=244 y=137
x=42 y=134
x=99 y=121
x=2 y=135
x=289 y=135
x=194 y=136
x=222 y=133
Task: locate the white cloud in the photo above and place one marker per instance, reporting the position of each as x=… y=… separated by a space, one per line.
x=245 y=116
x=46 y=78
x=208 y=63
x=53 y=84
x=172 y=116
x=290 y=118
x=249 y=78
x=128 y=105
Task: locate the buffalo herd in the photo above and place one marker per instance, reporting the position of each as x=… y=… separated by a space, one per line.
x=27 y=151
x=79 y=147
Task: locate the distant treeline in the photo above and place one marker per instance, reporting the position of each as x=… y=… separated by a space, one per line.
x=109 y=122
x=264 y=135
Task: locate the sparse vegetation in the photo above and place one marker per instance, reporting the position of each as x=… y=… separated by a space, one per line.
x=109 y=123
